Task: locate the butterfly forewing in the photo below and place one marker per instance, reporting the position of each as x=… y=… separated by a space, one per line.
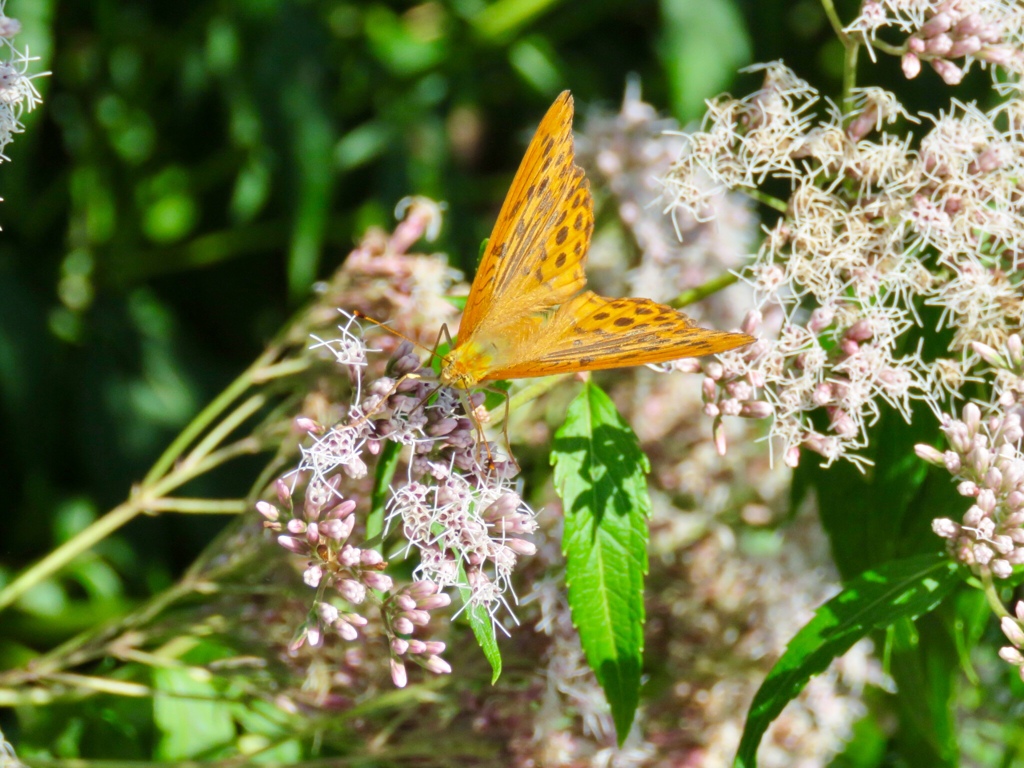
x=536 y=253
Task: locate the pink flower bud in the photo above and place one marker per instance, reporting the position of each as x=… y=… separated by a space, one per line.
x=953 y=462
x=983 y=554
x=1003 y=544
x=434 y=602
x=950 y=73
x=312 y=576
x=965 y=46
x=973 y=516
x=756 y=409
x=718 y=435
x=521 y=547
x=911 y=65
x=269 y=511
x=377 y=580
x=986 y=500
x=352 y=591
x=940 y=45
x=821 y=318
x=405 y=602
x=687 y=365
x=437 y=665
x=730 y=407
x=860 y=331
x=398 y=674
x=314 y=636
x=399 y=646
x=1001 y=569
x=988 y=354
x=945 y=528
x=292 y=544
x=709 y=390
x=1011 y=655
x=932 y=455
x=967 y=488
x=308 y=425
x=345 y=630
x=792 y=457
x=313 y=534
x=751 y=321
x=1015 y=348
x=936 y=25
x=349 y=556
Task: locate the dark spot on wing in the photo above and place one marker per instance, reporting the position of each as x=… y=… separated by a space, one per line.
x=543 y=184
x=601 y=316
x=540 y=275
x=578 y=224
x=561 y=218
x=499 y=250
x=548 y=145
x=585 y=361
x=560 y=261
x=644 y=311
x=622 y=322
x=562 y=234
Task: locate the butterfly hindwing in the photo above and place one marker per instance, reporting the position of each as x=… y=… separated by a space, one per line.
x=592 y=332
x=535 y=257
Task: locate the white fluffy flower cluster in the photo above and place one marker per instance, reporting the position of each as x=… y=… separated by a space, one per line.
x=873 y=228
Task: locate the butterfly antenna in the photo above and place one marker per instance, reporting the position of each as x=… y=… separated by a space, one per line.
x=384 y=326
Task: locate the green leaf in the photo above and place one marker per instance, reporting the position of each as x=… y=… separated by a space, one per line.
x=876 y=516
x=701 y=47
x=599 y=474
x=192 y=721
x=875 y=599
x=482 y=624
x=386 y=465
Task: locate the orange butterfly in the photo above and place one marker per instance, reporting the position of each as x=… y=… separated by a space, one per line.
x=528 y=313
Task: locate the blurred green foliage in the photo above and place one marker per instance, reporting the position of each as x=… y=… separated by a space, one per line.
x=196 y=166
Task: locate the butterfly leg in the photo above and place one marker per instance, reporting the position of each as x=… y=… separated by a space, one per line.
x=504 y=424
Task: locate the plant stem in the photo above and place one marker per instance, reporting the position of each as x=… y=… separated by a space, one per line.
x=713 y=285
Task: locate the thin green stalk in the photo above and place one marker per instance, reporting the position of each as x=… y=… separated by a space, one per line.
x=69 y=550
x=992 y=596
x=141 y=501
x=226 y=426
x=694 y=295
x=202 y=420
x=770 y=200
x=199 y=506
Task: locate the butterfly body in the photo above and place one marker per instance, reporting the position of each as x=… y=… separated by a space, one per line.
x=528 y=312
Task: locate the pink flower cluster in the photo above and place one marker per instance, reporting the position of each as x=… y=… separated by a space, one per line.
x=456 y=506
x=941 y=33
x=985 y=456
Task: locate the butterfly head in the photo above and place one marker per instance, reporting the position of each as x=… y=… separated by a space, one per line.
x=465 y=366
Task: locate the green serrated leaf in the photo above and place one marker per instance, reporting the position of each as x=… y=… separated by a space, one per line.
x=878 y=598
x=600 y=477
x=482 y=624
x=386 y=465
x=192 y=721
x=875 y=516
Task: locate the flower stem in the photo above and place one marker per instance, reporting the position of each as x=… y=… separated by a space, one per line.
x=702 y=291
